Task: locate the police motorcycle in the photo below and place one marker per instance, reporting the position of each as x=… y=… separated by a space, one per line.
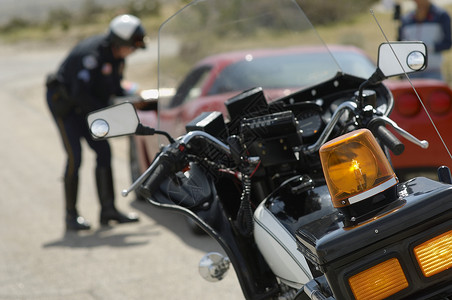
x=299 y=191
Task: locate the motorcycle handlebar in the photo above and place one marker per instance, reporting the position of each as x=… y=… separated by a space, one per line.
x=386 y=137
x=381 y=131
x=421 y=143
x=143 y=177
x=168 y=165
x=171 y=160
x=348 y=105
x=162 y=167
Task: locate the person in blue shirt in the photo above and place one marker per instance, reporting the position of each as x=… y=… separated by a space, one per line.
x=431 y=24
x=88 y=78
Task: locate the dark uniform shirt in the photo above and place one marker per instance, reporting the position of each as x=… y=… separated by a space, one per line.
x=434 y=31
x=91 y=75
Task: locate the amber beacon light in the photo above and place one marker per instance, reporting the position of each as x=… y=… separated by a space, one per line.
x=355 y=168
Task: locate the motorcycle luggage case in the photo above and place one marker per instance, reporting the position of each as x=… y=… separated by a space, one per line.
x=424 y=212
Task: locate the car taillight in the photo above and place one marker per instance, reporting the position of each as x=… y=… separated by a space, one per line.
x=407 y=105
x=439 y=102
x=435 y=255
x=380 y=281
x=355 y=168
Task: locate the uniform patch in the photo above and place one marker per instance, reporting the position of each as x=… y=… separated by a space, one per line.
x=107 y=69
x=84 y=75
x=89 y=62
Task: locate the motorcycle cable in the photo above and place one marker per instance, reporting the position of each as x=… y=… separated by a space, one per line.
x=244 y=220
x=411 y=84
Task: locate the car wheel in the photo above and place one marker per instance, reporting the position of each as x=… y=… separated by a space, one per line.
x=135 y=171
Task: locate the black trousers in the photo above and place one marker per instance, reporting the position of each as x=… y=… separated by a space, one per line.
x=73 y=129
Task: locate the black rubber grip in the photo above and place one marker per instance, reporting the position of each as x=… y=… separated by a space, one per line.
x=161 y=172
x=168 y=163
x=388 y=139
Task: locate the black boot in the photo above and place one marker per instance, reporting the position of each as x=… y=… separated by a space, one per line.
x=73 y=220
x=104 y=180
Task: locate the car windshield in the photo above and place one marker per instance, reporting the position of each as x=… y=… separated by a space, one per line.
x=205 y=28
x=292 y=70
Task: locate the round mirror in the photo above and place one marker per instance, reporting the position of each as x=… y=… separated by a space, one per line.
x=416 y=60
x=99 y=128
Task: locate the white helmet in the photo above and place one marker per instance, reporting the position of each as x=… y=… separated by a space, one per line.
x=126 y=30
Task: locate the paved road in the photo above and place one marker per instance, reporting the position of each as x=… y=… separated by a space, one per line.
x=154 y=259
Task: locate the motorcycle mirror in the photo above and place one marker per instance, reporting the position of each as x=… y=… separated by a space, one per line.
x=214 y=266
x=112 y=121
x=99 y=128
x=397 y=58
x=416 y=61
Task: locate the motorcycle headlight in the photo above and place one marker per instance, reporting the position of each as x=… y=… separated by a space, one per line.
x=355 y=168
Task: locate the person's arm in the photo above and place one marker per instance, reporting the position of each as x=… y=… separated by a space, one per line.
x=82 y=90
x=399 y=33
x=446 y=42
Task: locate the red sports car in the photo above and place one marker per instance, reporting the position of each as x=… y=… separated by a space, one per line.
x=217 y=78
x=410 y=114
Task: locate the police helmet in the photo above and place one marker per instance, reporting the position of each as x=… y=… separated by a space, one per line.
x=126 y=30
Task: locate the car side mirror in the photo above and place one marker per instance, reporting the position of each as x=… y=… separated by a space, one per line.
x=397 y=58
x=112 y=121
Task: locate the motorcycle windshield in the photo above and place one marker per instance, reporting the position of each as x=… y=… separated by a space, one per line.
x=215 y=49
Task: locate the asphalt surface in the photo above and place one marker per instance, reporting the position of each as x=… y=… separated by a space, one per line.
x=156 y=258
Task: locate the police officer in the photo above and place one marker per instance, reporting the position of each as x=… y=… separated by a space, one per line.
x=87 y=80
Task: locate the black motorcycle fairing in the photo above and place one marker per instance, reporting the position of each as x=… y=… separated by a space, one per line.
x=334 y=91
x=341 y=252
x=295 y=208
x=256 y=279
x=297 y=202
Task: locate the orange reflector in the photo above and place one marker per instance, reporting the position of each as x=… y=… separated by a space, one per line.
x=435 y=255
x=380 y=281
